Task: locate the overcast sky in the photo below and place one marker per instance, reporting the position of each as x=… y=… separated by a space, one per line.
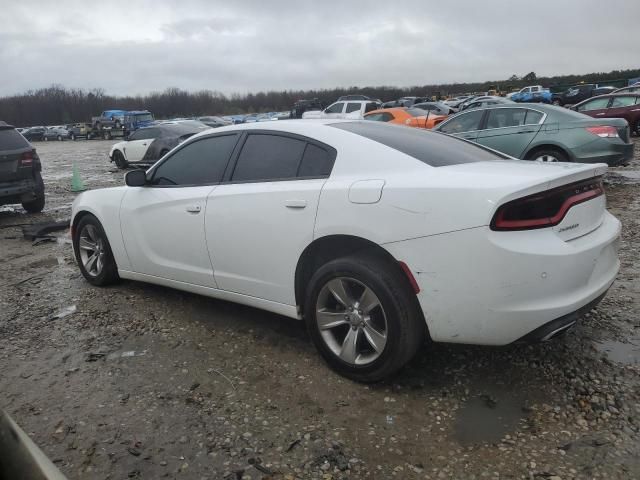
x=242 y=46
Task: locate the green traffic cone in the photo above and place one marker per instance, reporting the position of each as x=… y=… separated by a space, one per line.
x=77 y=185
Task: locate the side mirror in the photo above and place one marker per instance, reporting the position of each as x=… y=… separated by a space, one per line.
x=136 y=178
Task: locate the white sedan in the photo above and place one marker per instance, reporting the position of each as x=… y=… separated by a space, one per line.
x=377 y=236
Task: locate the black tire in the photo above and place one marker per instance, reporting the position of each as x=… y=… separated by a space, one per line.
x=556 y=153
x=117 y=124
x=46 y=139
x=119 y=160
x=109 y=272
x=73 y=137
x=636 y=128
x=36 y=205
x=106 y=135
x=405 y=325
x=59 y=137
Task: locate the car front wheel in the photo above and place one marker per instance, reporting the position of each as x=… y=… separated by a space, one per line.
x=363 y=317
x=93 y=252
x=119 y=160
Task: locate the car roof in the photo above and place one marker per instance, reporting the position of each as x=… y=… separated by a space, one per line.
x=5 y=126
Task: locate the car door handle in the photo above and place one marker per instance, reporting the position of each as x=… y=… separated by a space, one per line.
x=194 y=208
x=295 y=203
x=525 y=131
x=599 y=113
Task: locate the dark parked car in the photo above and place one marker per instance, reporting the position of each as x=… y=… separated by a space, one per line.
x=20 y=167
x=485 y=102
x=34 y=133
x=79 y=130
x=148 y=145
x=544 y=133
x=214 y=122
x=617 y=105
x=579 y=93
x=55 y=133
x=302 y=106
x=437 y=108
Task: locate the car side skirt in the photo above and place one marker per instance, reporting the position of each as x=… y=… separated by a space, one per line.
x=275 y=307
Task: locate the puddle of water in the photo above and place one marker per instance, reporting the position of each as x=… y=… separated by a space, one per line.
x=626 y=353
x=487 y=419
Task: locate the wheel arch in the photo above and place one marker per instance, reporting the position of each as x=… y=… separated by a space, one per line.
x=550 y=146
x=327 y=248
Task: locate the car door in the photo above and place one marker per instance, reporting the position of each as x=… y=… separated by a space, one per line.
x=163 y=223
x=596 y=108
x=622 y=107
x=464 y=125
x=138 y=143
x=334 y=110
x=510 y=130
x=260 y=220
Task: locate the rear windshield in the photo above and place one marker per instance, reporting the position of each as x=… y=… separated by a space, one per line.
x=435 y=149
x=10 y=139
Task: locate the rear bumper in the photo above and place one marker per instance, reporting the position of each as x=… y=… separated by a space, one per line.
x=493 y=288
x=613 y=153
x=18 y=191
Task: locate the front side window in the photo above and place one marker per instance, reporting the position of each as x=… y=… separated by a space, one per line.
x=335 y=108
x=506 y=117
x=201 y=162
x=352 y=107
x=463 y=123
x=619 y=102
x=595 y=104
x=268 y=157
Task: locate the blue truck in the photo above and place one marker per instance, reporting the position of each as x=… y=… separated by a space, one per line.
x=532 y=94
x=119 y=123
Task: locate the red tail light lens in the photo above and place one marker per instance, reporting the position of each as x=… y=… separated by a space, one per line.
x=604 y=131
x=26 y=160
x=545 y=209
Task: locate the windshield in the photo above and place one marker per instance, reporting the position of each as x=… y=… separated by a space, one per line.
x=143 y=117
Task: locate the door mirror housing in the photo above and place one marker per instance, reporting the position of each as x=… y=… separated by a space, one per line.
x=136 y=178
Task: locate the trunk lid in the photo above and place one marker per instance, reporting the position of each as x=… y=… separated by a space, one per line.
x=13 y=147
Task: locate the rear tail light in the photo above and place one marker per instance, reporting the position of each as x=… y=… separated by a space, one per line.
x=604 y=131
x=545 y=209
x=26 y=160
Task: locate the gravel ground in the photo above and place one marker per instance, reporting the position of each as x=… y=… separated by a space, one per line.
x=140 y=381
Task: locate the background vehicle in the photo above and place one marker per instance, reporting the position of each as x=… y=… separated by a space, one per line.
x=544 y=133
x=618 y=105
x=405 y=102
x=34 y=133
x=349 y=109
x=630 y=89
x=437 y=108
x=20 y=167
x=245 y=221
x=302 y=106
x=109 y=118
x=485 y=102
x=55 y=133
x=411 y=117
x=79 y=130
x=147 y=145
x=532 y=94
x=215 y=121
x=346 y=98
x=579 y=93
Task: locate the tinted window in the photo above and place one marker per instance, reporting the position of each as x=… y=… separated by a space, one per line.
x=380 y=117
x=12 y=140
x=352 y=107
x=595 y=104
x=533 y=117
x=463 y=123
x=428 y=147
x=199 y=163
x=623 y=102
x=416 y=112
x=316 y=162
x=506 y=117
x=144 y=134
x=268 y=157
x=370 y=107
x=335 y=108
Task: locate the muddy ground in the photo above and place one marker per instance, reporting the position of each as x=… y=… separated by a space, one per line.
x=140 y=381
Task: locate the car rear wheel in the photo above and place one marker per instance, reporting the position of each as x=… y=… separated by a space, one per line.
x=119 y=160
x=547 y=155
x=36 y=205
x=46 y=139
x=93 y=252
x=363 y=317
x=73 y=136
x=59 y=137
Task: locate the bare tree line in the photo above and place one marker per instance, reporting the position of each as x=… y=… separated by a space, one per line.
x=59 y=105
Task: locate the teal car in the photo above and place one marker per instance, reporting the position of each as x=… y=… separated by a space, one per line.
x=544 y=133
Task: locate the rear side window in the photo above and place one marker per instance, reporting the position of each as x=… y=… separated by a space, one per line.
x=370 y=107
x=380 y=117
x=506 y=117
x=463 y=123
x=199 y=163
x=10 y=139
x=428 y=147
x=268 y=157
x=618 y=102
x=352 y=107
x=145 y=134
x=316 y=162
x=533 y=117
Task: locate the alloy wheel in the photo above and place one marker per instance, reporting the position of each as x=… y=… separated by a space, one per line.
x=351 y=321
x=92 y=250
x=546 y=158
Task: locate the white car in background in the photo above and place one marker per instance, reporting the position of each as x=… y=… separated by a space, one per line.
x=377 y=236
x=348 y=109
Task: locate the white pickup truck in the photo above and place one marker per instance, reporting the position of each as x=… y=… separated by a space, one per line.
x=347 y=109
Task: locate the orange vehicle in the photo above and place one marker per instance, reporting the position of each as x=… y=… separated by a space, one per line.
x=412 y=117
